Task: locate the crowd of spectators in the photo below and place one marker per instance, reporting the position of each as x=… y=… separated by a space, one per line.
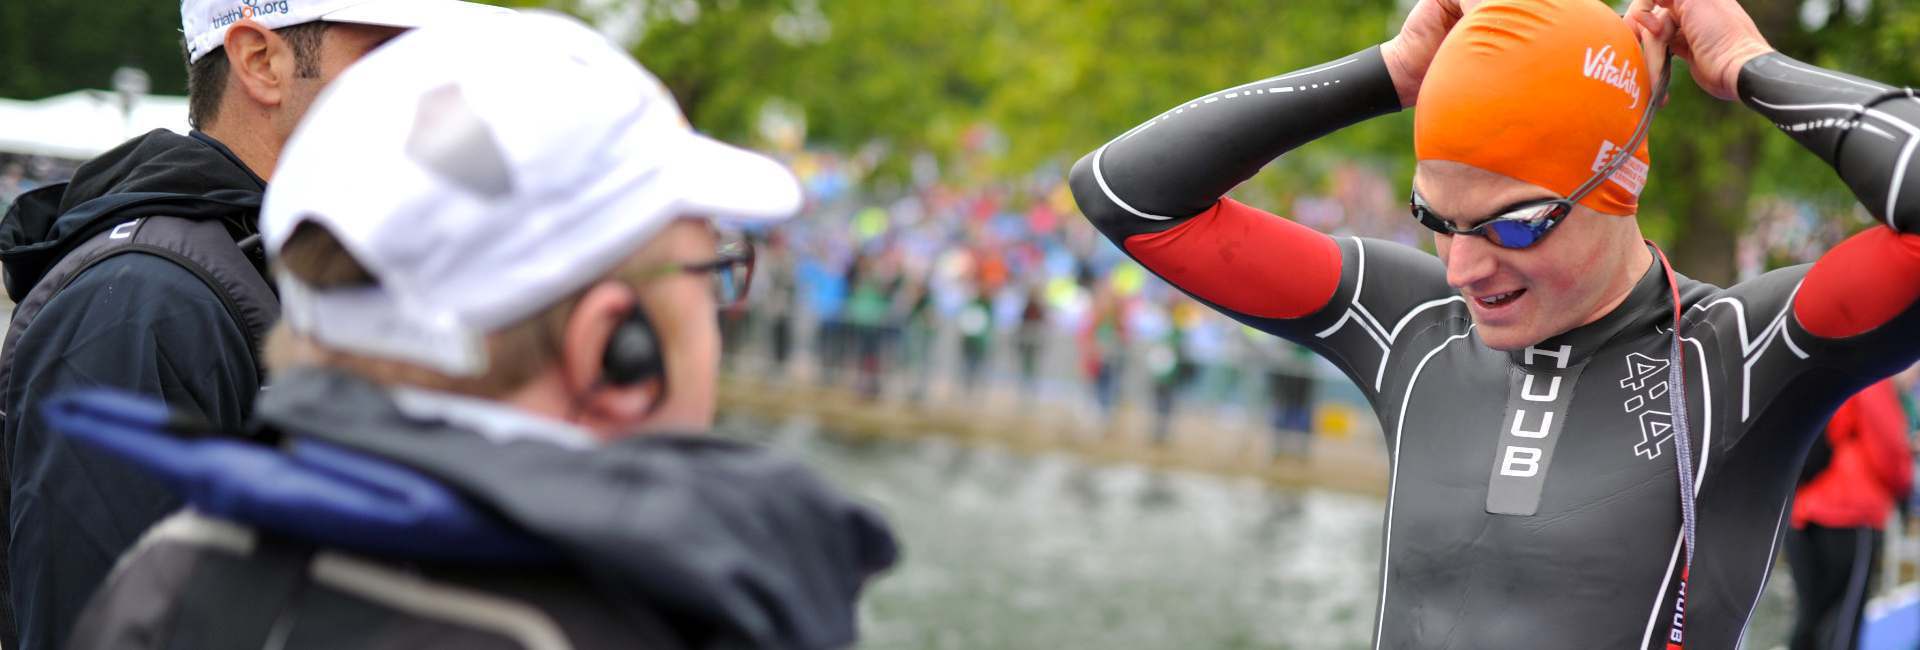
x=20 y=173
x=954 y=288
x=959 y=288
x=978 y=291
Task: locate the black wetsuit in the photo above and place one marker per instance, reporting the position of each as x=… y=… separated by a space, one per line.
x=1534 y=500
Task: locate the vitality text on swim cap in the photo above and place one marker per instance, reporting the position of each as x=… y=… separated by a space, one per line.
x=1603 y=66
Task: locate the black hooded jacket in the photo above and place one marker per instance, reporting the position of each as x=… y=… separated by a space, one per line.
x=144 y=318
x=369 y=527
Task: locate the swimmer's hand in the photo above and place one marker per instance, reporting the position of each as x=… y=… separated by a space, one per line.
x=1654 y=27
x=1410 y=52
x=1715 y=37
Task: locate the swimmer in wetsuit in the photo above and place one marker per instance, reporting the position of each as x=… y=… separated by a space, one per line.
x=1526 y=379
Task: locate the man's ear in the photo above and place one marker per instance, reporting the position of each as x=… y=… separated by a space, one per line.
x=259 y=62
x=583 y=347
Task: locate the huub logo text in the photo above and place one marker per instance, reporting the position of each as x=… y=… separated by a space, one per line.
x=250 y=9
x=1676 y=634
x=1605 y=67
x=1523 y=460
x=1542 y=386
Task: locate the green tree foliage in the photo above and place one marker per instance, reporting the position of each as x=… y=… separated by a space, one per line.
x=1058 y=77
x=1711 y=157
x=48 y=47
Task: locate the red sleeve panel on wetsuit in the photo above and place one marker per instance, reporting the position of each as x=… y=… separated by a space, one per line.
x=1245 y=259
x=1860 y=285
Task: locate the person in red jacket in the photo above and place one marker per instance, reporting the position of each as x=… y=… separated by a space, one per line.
x=1853 y=478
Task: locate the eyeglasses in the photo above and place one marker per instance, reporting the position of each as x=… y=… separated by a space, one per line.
x=1526 y=224
x=1521 y=227
x=731 y=269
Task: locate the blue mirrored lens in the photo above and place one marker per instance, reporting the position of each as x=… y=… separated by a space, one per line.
x=1511 y=233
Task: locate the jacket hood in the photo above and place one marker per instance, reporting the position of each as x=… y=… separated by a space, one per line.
x=735 y=544
x=160 y=173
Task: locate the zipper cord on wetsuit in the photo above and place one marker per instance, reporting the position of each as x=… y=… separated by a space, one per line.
x=1682 y=448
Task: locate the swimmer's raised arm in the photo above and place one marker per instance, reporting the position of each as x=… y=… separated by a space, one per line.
x=1179 y=163
x=1865 y=291
x=1157 y=189
x=1182 y=161
x=1865 y=129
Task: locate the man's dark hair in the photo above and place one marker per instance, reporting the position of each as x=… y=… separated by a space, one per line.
x=207 y=78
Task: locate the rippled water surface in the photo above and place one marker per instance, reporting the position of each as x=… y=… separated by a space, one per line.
x=1005 y=550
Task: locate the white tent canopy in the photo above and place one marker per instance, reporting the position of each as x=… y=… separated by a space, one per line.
x=85 y=123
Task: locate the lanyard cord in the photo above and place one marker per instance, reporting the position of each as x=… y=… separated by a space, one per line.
x=1682 y=448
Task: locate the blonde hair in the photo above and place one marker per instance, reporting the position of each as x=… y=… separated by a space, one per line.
x=515 y=353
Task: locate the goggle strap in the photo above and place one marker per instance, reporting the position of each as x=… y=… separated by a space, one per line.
x=1639 y=136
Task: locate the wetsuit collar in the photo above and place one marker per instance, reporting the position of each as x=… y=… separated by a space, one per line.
x=1645 y=308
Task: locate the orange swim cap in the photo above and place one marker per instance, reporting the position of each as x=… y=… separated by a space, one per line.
x=1544 y=91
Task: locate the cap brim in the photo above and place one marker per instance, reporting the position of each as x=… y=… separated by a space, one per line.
x=413 y=13
x=732 y=185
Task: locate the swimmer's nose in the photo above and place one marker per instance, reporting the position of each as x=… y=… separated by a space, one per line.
x=1470 y=260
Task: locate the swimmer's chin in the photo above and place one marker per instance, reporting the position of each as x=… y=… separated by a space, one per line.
x=1507 y=338
x=1509 y=324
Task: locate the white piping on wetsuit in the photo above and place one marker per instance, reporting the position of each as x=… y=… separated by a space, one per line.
x=1235 y=92
x=1358 y=313
x=1766 y=569
x=1699 y=477
x=1752 y=349
x=1386 y=552
x=1100 y=177
x=1653 y=617
x=1829 y=75
x=1906 y=153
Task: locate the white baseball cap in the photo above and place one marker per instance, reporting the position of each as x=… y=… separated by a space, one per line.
x=480 y=183
x=205 y=22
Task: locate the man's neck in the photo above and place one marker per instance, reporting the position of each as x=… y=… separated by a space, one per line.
x=1639 y=259
x=501 y=422
x=256 y=149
